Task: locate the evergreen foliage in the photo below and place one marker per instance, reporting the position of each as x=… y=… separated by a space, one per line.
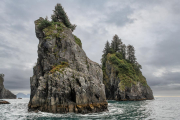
x=49 y=30
x=124 y=63
x=107 y=48
x=78 y=41
x=44 y=23
x=116 y=44
x=131 y=54
x=120 y=49
x=2 y=75
x=105 y=52
x=60 y=15
x=137 y=66
x=123 y=51
x=59 y=22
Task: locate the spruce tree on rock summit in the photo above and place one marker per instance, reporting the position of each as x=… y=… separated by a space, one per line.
x=137 y=66
x=131 y=54
x=106 y=49
x=60 y=15
x=123 y=51
x=105 y=52
x=116 y=44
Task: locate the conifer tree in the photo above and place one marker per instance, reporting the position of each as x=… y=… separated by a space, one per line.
x=60 y=15
x=123 y=51
x=106 y=49
x=105 y=52
x=131 y=54
x=137 y=66
x=116 y=43
x=2 y=75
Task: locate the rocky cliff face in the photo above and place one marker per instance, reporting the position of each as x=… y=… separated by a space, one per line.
x=65 y=79
x=4 y=93
x=122 y=85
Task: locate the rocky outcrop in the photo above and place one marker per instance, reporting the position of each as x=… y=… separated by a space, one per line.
x=4 y=102
x=4 y=93
x=64 y=78
x=126 y=89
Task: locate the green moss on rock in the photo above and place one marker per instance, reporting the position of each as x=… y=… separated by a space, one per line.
x=125 y=71
x=78 y=41
x=59 y=67
x=54 y=30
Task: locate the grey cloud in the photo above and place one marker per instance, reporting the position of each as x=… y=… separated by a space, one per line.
x=166 y=79
x=17 y=78
x=166 y=53
x=17 y=18
x=168 y=84
x=120 y=17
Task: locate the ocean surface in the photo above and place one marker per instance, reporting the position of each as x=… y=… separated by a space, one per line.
x=161 y=108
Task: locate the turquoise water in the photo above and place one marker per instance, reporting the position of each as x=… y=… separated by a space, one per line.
x=158 y=109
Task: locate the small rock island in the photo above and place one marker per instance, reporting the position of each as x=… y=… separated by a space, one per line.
x=4 y=102
x=4 y=93
x=122 y=76
x=64 y=78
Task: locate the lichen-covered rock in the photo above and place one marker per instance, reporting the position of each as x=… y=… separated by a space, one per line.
x=64 y=78
x=4 y=93
x=124 y=89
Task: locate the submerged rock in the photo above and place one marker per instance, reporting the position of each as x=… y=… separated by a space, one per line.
x=4 y=93
x=4 y=102
x=64 y=78
x=123 y=82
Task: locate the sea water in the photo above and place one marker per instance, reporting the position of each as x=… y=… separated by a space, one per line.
x=161 y=108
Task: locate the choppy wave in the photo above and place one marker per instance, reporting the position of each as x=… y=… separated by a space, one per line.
x=160 y=108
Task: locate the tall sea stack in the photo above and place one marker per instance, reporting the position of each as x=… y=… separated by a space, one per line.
x=4 y=93
x=122 y=76
x=64 y=78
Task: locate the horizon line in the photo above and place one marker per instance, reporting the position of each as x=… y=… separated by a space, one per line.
x=166 y=96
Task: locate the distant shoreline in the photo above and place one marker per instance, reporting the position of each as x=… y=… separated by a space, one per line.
x=166 y=96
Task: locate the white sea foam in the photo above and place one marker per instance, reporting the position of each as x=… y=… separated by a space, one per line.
x=160 y=108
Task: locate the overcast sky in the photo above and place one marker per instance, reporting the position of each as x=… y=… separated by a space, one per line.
x=151 y=26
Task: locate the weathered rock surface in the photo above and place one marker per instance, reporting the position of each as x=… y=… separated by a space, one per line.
x=4 y=93
x=77 y=87
x=136 y=92
x=4 y=102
